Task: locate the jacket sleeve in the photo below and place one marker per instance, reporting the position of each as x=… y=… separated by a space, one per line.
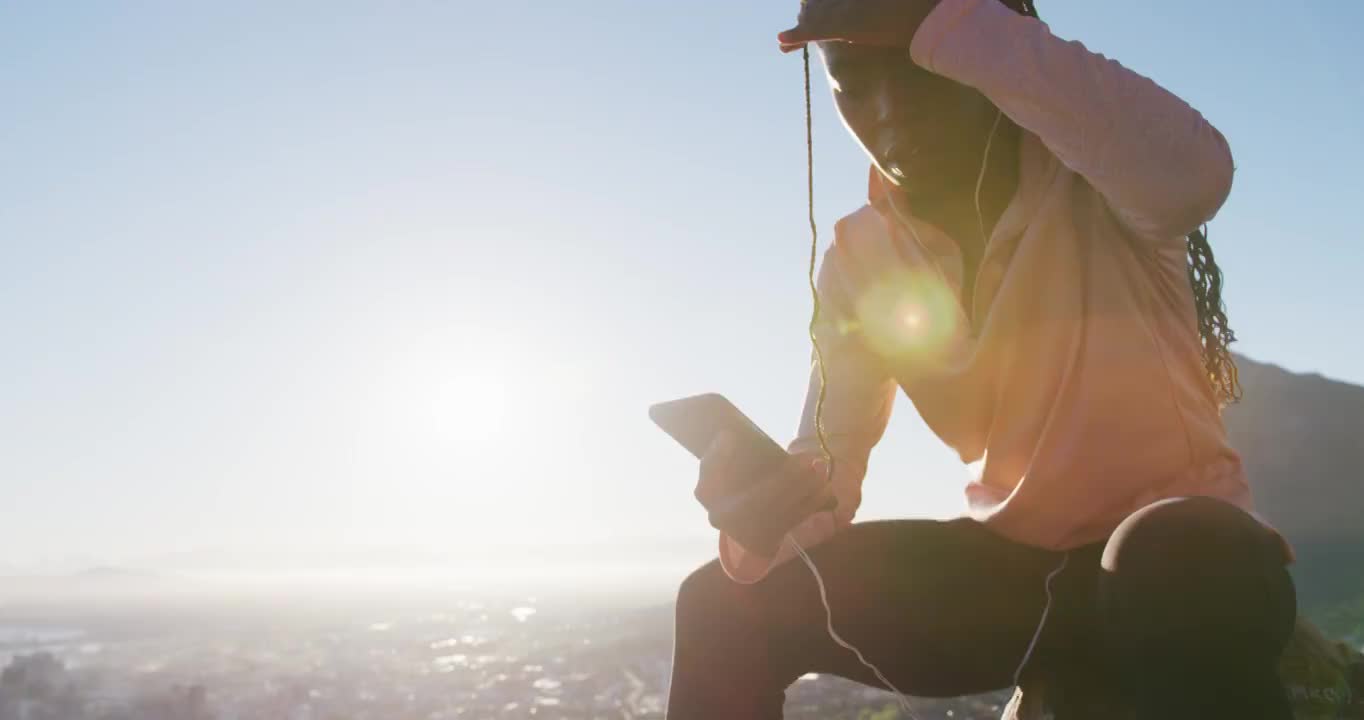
x=1163 y=169
x=857 y=406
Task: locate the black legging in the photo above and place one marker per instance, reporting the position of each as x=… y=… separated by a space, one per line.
x=1184 y=610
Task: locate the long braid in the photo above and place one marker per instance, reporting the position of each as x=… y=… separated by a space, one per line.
x=1205 y=277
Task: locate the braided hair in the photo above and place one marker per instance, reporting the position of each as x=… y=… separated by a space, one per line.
x=1217 y=336
x=1205 y=277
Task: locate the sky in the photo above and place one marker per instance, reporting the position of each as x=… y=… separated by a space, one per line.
x=290 y=276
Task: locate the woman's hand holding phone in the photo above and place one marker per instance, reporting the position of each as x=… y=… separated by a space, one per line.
x=757 y=512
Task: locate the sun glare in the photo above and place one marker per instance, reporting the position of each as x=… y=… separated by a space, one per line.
x=458 y=395
x=480 y=428
x=475 y=396
x=473 y=405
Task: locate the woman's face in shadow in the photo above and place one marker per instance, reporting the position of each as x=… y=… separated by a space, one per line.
x=927 y=134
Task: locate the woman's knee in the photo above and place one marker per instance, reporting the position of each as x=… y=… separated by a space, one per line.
x=1196 y=577
x=708 y=598
x=720 y=623
x=1192 y=532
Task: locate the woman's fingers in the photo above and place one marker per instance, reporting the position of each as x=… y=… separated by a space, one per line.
x=818 y=21
x=775 y=503
x=822 y=500
x=890 y=23
x=794 y=38
x=798 y=37
x=817 y=495
x=807 y=491
x=787 y=487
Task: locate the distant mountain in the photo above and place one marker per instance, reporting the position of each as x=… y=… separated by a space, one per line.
x=98 y=581
x=116 y=576
x=1302 y=438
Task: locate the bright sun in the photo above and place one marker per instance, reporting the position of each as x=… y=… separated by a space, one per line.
x=457 y=395
x=483 y=413
x=471 y=429
x=473 y=406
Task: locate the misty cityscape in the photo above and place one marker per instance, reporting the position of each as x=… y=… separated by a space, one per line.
x=112 y=645
x=312 y=658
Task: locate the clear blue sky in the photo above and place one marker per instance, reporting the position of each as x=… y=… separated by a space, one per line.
x=347 y=274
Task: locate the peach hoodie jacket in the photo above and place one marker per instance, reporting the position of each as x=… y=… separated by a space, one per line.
x=1072 y=378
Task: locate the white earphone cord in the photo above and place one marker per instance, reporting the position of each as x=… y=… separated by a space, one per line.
x=819 y=425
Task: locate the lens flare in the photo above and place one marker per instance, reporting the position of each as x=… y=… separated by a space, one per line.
x=910 y=315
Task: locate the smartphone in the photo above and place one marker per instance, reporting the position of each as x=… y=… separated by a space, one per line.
x=694 y=422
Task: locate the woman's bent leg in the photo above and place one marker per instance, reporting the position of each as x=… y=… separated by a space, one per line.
x=942 y=608
x=1197 y=606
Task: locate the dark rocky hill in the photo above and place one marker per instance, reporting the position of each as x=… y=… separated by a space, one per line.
x=1302 y=438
